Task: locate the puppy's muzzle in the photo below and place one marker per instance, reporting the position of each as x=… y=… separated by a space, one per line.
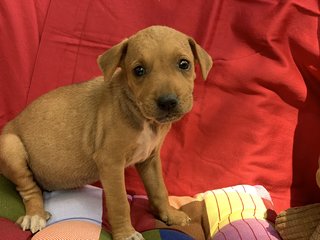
x=168 y=108
x=167 y=103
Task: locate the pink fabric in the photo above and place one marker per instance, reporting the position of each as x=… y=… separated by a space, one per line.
x=255 y=120
x=248 y=229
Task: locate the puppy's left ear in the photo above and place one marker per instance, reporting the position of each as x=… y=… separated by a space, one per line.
x=202 y=57
x=111 y=59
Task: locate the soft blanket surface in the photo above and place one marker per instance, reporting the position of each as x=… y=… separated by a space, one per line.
x=238 y=212
x=256 y=118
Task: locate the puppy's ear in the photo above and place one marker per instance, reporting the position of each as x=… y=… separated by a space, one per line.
x=111 y=59
x=202 y=57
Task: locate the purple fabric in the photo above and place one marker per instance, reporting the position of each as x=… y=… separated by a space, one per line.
x=247 y=229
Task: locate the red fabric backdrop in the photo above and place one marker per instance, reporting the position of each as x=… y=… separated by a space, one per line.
x=256 y=120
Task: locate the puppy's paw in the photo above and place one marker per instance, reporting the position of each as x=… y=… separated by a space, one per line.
x=133 y=236
x=33 y=223
x=175 y=217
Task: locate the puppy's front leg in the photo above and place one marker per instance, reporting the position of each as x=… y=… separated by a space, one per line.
x=112 y=179
x=151 y=174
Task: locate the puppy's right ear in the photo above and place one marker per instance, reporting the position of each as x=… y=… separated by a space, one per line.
x=111 y=59
x=202 y=57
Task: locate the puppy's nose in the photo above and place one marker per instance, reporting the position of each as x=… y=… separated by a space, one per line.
x=167 y=102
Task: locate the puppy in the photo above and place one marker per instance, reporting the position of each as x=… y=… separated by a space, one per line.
x=91 y=131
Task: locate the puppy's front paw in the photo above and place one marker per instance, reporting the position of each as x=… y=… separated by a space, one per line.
x=134 y=236
x=175 y=217
x=33 y=223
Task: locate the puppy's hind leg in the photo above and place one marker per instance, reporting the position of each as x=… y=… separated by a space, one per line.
x=13 y=165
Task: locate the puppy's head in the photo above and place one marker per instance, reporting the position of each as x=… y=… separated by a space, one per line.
x=159 y=66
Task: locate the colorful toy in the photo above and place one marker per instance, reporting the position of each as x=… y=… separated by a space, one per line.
x=300 y=222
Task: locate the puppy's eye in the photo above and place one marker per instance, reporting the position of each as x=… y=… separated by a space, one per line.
x=139 y=71
x=184 y=64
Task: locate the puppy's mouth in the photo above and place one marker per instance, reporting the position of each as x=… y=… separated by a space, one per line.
x=161 y=117
x=169 y=117
x=165 y=110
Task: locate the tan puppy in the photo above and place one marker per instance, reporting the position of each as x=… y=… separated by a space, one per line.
x=80 y=133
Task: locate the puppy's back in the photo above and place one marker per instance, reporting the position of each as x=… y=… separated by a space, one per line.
x=58 y=131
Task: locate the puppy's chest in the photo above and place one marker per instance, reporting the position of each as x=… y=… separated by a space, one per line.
x=145 y=144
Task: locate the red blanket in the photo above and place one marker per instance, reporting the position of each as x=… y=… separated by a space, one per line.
x=256 y=120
